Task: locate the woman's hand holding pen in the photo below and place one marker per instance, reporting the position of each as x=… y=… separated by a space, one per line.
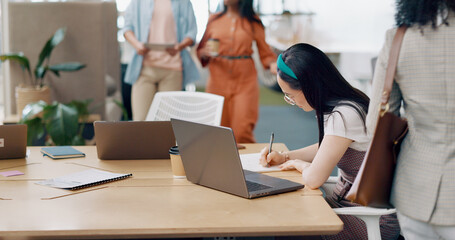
x=277 y=158
x=274 y=158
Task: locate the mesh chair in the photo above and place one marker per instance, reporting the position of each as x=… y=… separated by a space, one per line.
x=192 y=106
x=369 y=215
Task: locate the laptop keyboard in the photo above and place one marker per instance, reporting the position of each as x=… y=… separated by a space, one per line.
x=253 y=186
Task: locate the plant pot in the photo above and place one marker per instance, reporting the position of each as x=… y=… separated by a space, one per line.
x=26 y=95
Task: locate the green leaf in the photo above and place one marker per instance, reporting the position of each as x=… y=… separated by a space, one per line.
x=67 y=67
x=78 y=141
x=57 y=73
x=32 y=109
x=35 y=129
x=50 y=44
x=61 y=123
x=82 y=107
x=121 y=106
x=39 y=72
x=19 y=58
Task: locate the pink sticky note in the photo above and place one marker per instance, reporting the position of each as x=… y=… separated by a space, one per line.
x=11 y=173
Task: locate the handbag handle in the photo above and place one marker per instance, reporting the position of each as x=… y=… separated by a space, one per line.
x=391 y=67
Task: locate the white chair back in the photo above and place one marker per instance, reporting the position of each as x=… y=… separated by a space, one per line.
x=198 y=107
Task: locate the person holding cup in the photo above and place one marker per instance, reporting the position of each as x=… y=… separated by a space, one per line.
x=213 y=45
x=226 y=48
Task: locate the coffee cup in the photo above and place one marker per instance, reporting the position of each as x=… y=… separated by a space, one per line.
x=214 y=45
x=176 y=163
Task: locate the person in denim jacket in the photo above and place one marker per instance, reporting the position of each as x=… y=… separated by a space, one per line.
x=163 y=22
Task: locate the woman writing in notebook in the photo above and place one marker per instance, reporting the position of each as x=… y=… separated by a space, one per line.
x=309 y=80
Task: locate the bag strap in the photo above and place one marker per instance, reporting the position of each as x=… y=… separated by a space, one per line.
x=392 y=66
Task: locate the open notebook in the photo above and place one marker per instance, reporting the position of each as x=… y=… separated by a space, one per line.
x=251 y=162
x=83 y=179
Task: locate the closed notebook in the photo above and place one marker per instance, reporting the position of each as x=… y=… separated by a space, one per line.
x=60 y=152
x=83 y=179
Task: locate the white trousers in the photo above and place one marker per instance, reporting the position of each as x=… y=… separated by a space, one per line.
x=414 y=229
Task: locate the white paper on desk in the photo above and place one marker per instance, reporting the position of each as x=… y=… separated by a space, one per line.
x=251 y=162
x=159 y=46
x=83 y=178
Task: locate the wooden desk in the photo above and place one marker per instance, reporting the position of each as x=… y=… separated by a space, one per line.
x=151 y=204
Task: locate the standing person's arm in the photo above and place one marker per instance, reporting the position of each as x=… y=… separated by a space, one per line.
x=180 y=46
x=203 y=51
x=396 y=98
x=267 y=56
x=378 y=86
x=131 y=38
x=190 y=28
x=129 y=28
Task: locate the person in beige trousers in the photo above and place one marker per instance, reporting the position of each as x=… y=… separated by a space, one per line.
x=170 y=22
x=424 y=184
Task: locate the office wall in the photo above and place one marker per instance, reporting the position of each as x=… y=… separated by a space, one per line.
x=91 y=39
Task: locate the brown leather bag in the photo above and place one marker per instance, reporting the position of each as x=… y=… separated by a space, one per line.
x=373 y=183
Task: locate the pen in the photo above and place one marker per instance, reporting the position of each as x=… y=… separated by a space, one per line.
x=272 y=136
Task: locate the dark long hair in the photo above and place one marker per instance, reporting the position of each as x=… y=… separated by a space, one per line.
x=321 y=83
x=245 y=10
x=422 y=12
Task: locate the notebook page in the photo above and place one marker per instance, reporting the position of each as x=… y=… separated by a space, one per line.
x=81 y=178
x=251 y=162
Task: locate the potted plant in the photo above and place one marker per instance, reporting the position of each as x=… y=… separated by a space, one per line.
x=32 y=88
x=60 y=124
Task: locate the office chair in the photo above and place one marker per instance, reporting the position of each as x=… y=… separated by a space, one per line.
x=369 y=215
x=191 y=106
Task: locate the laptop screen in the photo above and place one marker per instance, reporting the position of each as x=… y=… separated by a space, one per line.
x=210 y=156
x=129 y=140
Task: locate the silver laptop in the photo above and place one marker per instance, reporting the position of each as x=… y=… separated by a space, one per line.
x=210 y=158
x=129 y=140
x=13 y=141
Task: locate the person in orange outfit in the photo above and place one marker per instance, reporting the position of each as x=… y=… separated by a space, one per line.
x=232 y=71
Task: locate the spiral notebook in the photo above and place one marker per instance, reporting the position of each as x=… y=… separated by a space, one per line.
x=83 y=179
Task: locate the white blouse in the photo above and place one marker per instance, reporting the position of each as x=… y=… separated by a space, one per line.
x=344 y=121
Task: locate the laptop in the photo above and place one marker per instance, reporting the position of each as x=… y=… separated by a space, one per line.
x=211 y=159
x=129 y=140
x=13 y=141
